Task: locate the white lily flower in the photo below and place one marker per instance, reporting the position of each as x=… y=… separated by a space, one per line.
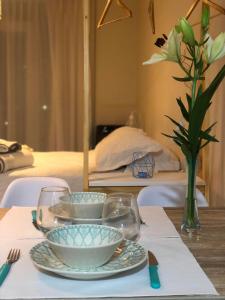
x=215 y=49
x=171 y=50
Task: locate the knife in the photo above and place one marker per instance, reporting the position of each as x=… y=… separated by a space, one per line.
x=34 y=219
x=153 y=270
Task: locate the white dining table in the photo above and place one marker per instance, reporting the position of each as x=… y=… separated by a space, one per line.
x=167 y=236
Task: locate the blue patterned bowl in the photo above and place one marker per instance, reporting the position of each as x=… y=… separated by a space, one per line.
x=85 y=205
x=84 y=245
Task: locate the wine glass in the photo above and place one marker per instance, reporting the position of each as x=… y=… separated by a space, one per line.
x=120 y=210
x=51 y=208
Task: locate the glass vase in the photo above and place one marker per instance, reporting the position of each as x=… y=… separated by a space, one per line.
x=191 y=223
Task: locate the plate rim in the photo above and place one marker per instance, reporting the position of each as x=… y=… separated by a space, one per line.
x=82 y=273
x=63 y=217
x=68 y=218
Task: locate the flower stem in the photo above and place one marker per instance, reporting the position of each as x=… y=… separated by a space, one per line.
x=190 y=217
x=194 y=85
x=191 y=222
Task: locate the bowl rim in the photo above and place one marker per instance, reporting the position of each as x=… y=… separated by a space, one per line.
x=85 y=247
x=99 y=201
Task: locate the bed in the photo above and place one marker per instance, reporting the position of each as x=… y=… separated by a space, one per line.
x=66 y=165
x=109 y=163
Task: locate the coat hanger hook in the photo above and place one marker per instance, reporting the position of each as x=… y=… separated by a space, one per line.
x=127 y=11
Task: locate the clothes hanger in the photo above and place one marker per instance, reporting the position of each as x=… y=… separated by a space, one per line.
x=127 y=13
x=190 y=11
x=151 y=15
x=207 y=2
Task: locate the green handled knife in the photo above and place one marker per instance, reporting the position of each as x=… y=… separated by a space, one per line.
x=153 y=270
x=34 y=219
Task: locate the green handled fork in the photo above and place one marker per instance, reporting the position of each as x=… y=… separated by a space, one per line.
x=13 y=256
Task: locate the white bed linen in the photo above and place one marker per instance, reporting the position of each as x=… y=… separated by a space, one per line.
x=64 y=164
x=68 y=165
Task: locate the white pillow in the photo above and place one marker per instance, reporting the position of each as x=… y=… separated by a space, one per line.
x=166 y=160
x=117 y=148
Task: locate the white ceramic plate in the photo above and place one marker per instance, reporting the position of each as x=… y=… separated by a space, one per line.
x=63 y=214
x=131 y=256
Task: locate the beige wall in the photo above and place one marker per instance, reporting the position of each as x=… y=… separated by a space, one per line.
x=157 y=90
x=216 y=151
x=123 y=84
x=116 y=66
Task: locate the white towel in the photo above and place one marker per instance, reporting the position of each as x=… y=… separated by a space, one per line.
x=9 y=146
x=14 y=160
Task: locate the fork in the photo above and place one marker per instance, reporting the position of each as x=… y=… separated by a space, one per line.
x=12 y=257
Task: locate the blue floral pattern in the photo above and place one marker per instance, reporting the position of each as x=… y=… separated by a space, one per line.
x=84 y=235
x=132 y=255
x=87 y=197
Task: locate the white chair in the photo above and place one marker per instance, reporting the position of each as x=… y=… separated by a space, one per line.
x=167 y=196
x=25 y=191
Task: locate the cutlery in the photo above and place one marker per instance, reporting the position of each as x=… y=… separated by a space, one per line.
x=153 y=270
x=13 y=256
x=34 y=219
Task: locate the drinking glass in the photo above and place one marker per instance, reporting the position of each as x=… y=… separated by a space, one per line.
x=51 y=209
x=120 y=210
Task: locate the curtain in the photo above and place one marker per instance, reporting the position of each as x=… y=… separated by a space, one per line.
x=41 y=73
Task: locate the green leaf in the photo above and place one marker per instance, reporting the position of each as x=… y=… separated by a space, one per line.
x=180 y=137
x=167 y=135
x=201 y=105
x=210 y=127
x=183 y=109
x=199 y=91
x=177 y=142
x=182 y=79
x=182 y=129
x=189 y=101
x=175 y=139
x=203 y=145
x=186 y=151
x=199 y=64
x=204 y=135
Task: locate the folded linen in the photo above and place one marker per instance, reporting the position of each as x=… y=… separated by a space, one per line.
x=9 y=146
x=14 y=160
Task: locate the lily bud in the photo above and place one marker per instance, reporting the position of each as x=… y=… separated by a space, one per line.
x=205 y=17
x=187 y=31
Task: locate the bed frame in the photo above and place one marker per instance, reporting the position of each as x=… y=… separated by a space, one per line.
x=115 y=181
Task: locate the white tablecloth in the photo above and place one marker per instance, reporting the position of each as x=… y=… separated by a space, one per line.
x=17 y=223
x=179 y=272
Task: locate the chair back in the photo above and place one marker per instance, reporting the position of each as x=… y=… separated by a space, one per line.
x=167 y=196
x=25 y=191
